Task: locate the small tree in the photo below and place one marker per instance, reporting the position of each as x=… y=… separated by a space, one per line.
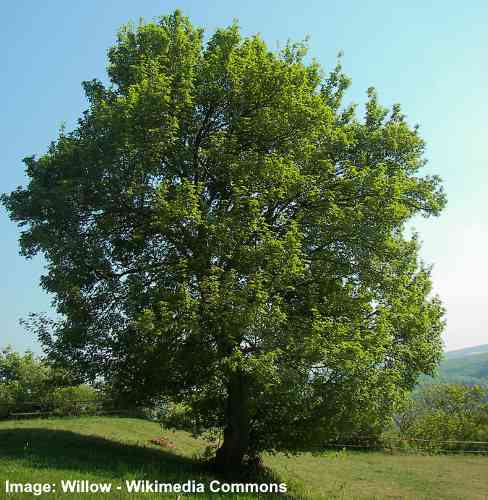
x=447 y=416
x=23 y=377
x=221 y=230
x=27 y=382
x=75 y=400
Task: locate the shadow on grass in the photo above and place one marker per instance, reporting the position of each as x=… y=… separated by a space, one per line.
x=59 y=449
x=47 y=449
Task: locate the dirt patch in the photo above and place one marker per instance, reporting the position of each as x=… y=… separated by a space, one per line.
x=163 y=442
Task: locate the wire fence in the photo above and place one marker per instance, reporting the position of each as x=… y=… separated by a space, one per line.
x=415 y=445
x=67 y=407
x=411 y=449
x=41 y=409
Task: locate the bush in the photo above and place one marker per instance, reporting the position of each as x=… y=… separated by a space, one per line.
x=78 y=400
x=23 y=377
x=28 y=384
x=445 y=416
x=177 y=416
x=6 y=401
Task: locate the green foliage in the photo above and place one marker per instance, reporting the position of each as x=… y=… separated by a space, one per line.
x=220 y=229
x=22 y=377
x=28 y=383
x=442 y=414
x=77 y=400
x=177 y=416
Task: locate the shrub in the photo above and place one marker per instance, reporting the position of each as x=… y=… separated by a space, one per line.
x=28 y=384
x=445 y=416
x=77 y=400
x=177 y=416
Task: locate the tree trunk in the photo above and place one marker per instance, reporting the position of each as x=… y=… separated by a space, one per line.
x=230 y=455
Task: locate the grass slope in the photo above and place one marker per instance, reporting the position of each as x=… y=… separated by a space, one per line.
x=105 y=449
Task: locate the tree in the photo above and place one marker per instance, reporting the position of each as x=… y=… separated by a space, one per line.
x=28 y=381
x=23 y=378
x=220 y=229
x=447 y=417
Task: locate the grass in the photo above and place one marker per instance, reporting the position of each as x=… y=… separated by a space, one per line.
x=375 y=475
x=112 y=450
x=99 y=449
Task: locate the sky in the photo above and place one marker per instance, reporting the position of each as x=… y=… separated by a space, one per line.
x=428 y=56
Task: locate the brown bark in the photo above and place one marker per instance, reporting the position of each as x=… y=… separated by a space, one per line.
x=231 y=454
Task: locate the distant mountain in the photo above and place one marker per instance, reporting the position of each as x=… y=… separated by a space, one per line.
x=469 y=369
x=463 y=366
x=468 y=351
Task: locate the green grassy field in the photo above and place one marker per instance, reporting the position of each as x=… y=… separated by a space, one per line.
x=112 y=450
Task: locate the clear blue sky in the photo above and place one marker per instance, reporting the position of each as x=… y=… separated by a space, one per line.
x=429 y=56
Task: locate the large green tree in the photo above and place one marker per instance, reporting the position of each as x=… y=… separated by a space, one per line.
x=221 y=229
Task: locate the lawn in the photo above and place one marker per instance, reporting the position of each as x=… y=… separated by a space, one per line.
x=113 y=450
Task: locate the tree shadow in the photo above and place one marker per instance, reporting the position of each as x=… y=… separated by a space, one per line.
x=60 y=449
x=49 y=449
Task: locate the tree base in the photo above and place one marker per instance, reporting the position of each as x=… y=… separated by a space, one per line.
x=241 y=467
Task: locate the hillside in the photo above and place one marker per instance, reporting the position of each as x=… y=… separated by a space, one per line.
x=114 y=450
x=470 y=369
x=467 y=351
x=464 y=366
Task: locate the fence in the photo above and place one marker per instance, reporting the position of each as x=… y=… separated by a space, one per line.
x=406 y=444
x=33 y=409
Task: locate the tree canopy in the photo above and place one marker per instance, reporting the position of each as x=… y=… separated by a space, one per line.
x=27 y=382
x=222 y=229
x=446 y=416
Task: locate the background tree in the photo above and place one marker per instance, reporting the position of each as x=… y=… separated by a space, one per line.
x=447 y=417
x=23 y=378
x=28 y=383
x=219 y=228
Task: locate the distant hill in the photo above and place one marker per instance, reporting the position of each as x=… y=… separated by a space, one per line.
x=469 y=369
x=463 y=366
x=468 y=351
